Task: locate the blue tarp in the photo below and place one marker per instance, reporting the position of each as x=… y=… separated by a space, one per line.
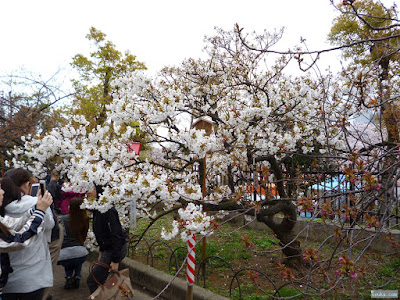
x=337 y=183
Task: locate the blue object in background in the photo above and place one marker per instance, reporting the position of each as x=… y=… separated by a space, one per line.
x=333 y=183
x=306 y=215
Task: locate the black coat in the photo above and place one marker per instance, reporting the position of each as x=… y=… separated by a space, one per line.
x=109 y=233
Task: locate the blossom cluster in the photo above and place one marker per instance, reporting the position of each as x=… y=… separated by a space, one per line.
x=192 y=220
x=346 y=267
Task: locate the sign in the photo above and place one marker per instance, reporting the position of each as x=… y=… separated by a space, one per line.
x=133 y=146
x=132 y=215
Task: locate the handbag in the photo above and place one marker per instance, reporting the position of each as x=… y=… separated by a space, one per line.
x=117 y=286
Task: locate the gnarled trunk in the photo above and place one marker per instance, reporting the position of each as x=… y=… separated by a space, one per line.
x=283 y=229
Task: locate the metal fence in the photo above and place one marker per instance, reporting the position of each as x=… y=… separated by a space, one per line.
x=323 y=186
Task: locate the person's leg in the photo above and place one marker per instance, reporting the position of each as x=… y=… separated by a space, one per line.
x=10 y=296
x=77 y=269
x=78 y=266
x=124 y=251
x=54 y=248
x=35 y=295
x=69 y=266
x=99 y=272
x=69 y=273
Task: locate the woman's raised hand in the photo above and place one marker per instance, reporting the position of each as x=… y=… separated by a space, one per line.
x=44 y=202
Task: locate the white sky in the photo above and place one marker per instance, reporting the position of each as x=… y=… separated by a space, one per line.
x=43 y=35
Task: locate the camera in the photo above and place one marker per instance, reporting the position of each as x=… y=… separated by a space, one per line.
x=34 y=189
x=42 y=187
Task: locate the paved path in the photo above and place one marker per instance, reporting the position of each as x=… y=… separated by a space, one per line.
x=59 y=293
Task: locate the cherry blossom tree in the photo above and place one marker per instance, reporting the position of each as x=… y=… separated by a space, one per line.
x=268 y=127
x=259 y=115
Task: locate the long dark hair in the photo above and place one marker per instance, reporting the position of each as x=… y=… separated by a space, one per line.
x=78 y=220
x=11 y=183
x=99 y=190
x=3 y=228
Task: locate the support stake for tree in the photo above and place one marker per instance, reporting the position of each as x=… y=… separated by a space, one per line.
x=207 y=125
x=204 y=242
x=190 y=270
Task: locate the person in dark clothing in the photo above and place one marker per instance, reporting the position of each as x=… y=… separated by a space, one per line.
x=54 y=189
x=73 y=253
x=111 y=239
x=57 y=233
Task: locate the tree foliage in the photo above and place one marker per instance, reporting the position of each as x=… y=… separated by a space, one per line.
x=105 y=64
x=27 y=107
x=379 y=30
x=373 y=24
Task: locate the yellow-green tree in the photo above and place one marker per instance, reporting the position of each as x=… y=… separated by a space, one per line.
x=370 y=22
x=93 y=88
x=370 y=34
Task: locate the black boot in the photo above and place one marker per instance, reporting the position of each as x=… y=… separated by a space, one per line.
x=69 y=284
x=76 y=282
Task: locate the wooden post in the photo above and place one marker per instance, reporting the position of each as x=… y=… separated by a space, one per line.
x=2 y=165
x=204 y=242
x=207 y=126
x=255 y=180
x=190 y=292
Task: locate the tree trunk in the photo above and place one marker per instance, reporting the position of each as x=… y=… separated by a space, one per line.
x=284 y=230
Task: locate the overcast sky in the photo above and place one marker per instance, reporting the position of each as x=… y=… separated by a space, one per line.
x=43 y=35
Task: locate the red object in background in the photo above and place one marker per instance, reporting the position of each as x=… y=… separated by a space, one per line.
x=261 y=191
x=133 y=146
x=191 y=261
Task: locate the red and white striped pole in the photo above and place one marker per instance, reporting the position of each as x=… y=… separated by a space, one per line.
x=191 y=265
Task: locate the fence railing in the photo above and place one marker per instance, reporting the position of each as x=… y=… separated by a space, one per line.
x=322 y=185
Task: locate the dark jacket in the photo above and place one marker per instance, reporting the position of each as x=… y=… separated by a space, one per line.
x=55 y=232
x=109 y=233
x=55 y=190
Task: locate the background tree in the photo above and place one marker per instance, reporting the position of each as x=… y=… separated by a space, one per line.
x=379 y=30
x=93 y=88
x=28 y=106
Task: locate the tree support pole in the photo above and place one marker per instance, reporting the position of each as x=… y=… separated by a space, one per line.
x=204 y=242
x=190 y=271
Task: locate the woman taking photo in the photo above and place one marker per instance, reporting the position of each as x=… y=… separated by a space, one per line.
x=73 y=254
x=32 y=270
x=18 y=233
